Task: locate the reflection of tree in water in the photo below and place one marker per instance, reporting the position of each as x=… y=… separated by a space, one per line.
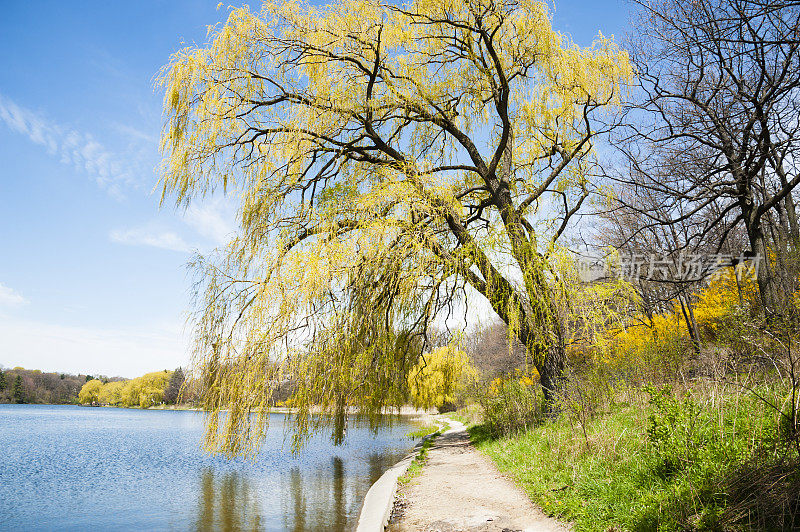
x=319 y=499
x=326 y=499
x=378 y=463
x=298 y=500
x=226 y=503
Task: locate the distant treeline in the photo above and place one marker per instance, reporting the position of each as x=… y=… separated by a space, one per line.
x=19 y=385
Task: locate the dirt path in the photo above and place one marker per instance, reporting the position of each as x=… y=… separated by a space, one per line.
x=459 y=489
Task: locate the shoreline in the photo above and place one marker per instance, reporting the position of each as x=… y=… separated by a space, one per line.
x=405 y=411
x=379 y=500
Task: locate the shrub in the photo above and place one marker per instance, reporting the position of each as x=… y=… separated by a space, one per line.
x=511 y=405
x=677 y=431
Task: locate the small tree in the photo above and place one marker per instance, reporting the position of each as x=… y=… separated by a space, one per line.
x=173 y=390
x=2 y=381
x=18 y=393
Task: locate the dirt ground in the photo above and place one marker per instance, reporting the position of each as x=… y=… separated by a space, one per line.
x=459 y=489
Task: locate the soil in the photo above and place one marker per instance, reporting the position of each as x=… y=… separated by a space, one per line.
x=460 y=489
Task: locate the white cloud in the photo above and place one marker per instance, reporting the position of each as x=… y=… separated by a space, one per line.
x=9 y=297
x=210 y=224
x=149 y=237
x=214 y=220
x=126 y=353
x=74 y=148
x=135 y=133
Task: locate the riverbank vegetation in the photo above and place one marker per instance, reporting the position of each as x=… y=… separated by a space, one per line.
x=656 y=431
x=19 y=385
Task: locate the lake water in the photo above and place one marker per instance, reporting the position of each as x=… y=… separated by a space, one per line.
x=76 y=468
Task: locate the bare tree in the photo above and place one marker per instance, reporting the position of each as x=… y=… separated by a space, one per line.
x=716 y=135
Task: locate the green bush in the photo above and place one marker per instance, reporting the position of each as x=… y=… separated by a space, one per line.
x=511 y=406
x=677 y=431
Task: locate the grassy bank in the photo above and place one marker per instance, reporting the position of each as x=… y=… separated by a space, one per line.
x=697 y=459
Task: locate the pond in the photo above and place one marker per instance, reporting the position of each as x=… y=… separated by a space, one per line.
x=77 y=468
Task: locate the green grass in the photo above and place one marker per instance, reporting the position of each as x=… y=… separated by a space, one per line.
x=468 y=415
x=415 y=468
x=421 y=432
x=672 y=465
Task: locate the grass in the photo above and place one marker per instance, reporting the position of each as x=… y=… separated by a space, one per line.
x=468 y=415
x=673 y=463
x=415 y=468
x=421 y=432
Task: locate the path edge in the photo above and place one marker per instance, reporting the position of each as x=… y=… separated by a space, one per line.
x=378 y=503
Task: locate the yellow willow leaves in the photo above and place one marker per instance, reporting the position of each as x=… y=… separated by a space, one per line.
x=332 y=124
x=205 y=88
x=439 y=376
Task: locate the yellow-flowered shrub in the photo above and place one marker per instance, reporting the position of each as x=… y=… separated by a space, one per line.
x=721 y=300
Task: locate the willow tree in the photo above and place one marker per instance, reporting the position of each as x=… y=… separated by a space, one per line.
x=387 y=159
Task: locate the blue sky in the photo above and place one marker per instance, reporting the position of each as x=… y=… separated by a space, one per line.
x=92 y=272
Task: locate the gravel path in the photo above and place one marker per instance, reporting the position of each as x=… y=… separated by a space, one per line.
x=460 y=489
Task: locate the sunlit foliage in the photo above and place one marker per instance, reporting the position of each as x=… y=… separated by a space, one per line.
x=111 y=393
x=727 y=293
x=144 y=392
x=90 y=391
x=439 y=376
x=386 y=159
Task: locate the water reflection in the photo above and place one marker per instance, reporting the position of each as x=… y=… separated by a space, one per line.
x=319 y=499
x=226 y=503
x=323 y=499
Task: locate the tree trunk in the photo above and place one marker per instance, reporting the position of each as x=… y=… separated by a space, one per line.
x=691 y=324
x=551 y=376
x=764 y=275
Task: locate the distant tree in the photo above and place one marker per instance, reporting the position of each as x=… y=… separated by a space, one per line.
x=145 y=391
x=18 y=394
x=111 y=393
x=89 y=378
x=90 y=391
x=2 y=381
x=40 y=387
x=438 y=377
x=173 y=391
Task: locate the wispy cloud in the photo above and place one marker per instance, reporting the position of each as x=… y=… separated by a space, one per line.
x=206 y=225
x=9 y=297
x=150 y=237
x=214 y=220
x=74 y=148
